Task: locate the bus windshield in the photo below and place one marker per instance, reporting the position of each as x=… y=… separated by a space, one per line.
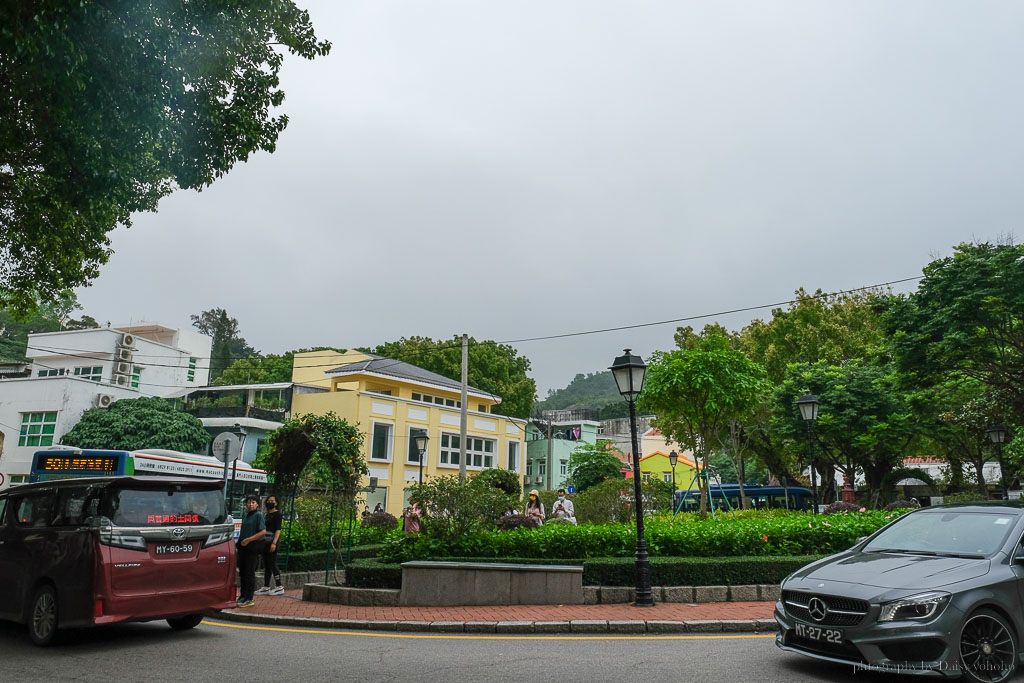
x=160 y=506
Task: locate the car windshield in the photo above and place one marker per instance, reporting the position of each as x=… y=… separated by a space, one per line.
x=945 y=533
x=175 y=504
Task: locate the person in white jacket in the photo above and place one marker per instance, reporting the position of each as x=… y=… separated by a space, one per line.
x=563 y=508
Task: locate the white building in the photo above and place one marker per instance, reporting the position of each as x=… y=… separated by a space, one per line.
x=73 y=371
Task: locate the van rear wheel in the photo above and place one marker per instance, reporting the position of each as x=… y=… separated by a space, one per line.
x=42 y=618
x=186 y=622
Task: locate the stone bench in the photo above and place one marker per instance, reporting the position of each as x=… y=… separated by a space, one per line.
x=483 y=583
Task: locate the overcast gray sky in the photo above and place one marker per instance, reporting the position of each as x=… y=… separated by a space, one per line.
x=533 y=167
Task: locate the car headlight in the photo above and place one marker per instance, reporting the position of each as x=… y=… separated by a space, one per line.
x=915 y=608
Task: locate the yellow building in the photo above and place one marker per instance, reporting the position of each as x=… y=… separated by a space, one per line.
x=657 y=466
x=393 y=402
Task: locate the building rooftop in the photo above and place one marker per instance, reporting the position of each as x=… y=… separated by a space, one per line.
x=378 y=365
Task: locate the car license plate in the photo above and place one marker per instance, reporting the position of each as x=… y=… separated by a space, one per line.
x=827 y=635
x=174 y=548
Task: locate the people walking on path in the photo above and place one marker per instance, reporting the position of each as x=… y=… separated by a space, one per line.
x=563 y=508
x=250 y=544
x=271 y=540
x=535 y=508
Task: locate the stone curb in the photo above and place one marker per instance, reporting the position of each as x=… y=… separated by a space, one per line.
x=587 y=626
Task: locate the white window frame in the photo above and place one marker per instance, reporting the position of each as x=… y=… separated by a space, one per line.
x=25 y=433
x=666 y=477
x=542 y=468
x=93 y=372
x=409 y=445
x=645 y=476
x=562 y=470
x=472 y=453
x=391 y=441
x=512 y=456
x=529 y=468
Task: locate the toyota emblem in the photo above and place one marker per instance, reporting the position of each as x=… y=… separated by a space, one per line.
x=178 y=532
x=817 y=609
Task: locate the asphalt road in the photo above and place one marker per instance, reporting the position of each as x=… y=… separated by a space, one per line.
x=226 y=652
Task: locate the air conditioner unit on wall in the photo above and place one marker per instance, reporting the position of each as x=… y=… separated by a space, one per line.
x=538 y=480
x=120 y=379
x=123 y=368
x=104 y=400
x=123 y=354
x=128 y=340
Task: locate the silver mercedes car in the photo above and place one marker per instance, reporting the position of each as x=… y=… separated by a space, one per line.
x=938 y=591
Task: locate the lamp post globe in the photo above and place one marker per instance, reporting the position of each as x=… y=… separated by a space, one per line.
x=420 y=441
x=808 y=405
x=629 y=371
x=997 y=435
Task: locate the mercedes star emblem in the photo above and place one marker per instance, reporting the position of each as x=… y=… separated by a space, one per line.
x=817 y=609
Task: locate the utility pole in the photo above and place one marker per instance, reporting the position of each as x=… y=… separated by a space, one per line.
x=547 y=474
x=463 y=418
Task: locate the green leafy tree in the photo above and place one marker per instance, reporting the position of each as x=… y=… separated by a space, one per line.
x=135 y=424
x=592 y=464
x=322 y=450
x=696 y=391
x=864 y=421
x=110 y=106
x=228 y=343
x=506 y=480
x=596 y=391
x=495 y=368
x=50 y=316
x=264 y=368
x=454 y=509
x=966 y=317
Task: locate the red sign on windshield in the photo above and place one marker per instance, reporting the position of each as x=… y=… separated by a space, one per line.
x=172 y=519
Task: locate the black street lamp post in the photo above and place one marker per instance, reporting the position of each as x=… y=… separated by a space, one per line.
x=808 y=404
x=421 y=440
x=673 y=458
x=997 y=435
x=629 y=371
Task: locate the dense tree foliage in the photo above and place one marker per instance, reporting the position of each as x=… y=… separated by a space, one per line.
x=594 y=390
x=592 y=464
x=495 y=368
x=109 y=106
x=228 y=343
x=264 y=368
x=697 y=391
x=52 y=316
x=134 y=424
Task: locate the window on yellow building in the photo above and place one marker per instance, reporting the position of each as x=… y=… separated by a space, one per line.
x=646 y=476
x=666 y=476
x=513 y=456
x=382 y=441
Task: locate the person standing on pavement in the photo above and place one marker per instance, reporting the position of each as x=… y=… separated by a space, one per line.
x=271 y=539
x=535 y=508
x=563 y=508
x=250 y=544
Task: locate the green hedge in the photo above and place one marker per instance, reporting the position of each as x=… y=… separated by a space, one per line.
x=314 y=560
x=369 y=573
x=727 y=536
x=695 y=571
x=619 y=571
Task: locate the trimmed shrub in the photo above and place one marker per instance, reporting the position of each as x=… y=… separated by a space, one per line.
x=380 y=520
x=516 y=521
x=902 y=505
x=315 y=560
x=841 y=506
x=695 y=571
x=373 y=574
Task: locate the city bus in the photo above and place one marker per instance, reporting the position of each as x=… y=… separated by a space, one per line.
x=66 y=463
x=761 y=497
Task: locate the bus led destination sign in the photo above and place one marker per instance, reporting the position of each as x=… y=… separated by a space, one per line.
x=80 y=463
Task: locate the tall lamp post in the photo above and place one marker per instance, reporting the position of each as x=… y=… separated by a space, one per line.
x=421 y=440
x=808 y=404
x=673 y=458
x=997 y=435
x=629 y=371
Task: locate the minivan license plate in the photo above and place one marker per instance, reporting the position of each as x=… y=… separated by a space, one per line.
x=828 y=635
x=174 y=548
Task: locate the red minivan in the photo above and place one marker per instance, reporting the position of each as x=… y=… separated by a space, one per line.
x=89 y=551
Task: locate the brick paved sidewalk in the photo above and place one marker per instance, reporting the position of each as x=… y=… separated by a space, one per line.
x=731 y=616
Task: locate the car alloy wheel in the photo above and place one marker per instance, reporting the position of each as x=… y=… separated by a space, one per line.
x=42 y=624
x=988 y=649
